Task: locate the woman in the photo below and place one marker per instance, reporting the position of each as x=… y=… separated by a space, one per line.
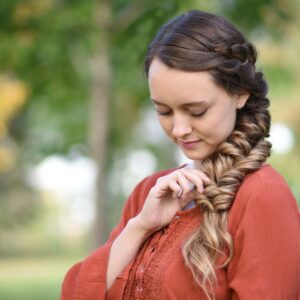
x=226 y=227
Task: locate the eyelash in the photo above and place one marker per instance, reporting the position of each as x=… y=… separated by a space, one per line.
x=193 y=115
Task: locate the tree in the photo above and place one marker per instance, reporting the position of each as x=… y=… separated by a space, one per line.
x=82 y=62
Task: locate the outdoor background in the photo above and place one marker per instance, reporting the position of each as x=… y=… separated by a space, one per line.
x=77 y=131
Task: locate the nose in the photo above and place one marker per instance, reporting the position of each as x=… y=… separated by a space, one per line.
x=181 y=127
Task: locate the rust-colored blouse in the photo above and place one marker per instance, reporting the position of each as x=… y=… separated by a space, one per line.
x=264 y=222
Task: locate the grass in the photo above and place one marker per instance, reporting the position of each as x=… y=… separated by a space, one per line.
x=33 y=278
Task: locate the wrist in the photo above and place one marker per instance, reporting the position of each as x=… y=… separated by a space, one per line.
x=137 y=225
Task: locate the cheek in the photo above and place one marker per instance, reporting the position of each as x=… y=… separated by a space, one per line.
x=217 y=128
x=166 y=125
x=226 y=126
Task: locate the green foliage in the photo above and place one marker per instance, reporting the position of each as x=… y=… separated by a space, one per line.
x=253 y=16
x=48 y=47
x=18 y=206
x=49 y=44
x=281 y=78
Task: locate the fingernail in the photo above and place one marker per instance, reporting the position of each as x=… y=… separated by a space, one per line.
x=193 y=187
x=180 y=194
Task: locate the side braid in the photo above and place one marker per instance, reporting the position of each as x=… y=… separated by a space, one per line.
x=244 y=151
x=233 y=161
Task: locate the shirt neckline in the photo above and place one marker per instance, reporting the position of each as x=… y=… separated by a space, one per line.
x=187 y=212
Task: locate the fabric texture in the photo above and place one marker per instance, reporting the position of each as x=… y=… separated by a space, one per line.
x=264 y=221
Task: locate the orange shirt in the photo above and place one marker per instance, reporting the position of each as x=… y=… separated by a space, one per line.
x=264 y=222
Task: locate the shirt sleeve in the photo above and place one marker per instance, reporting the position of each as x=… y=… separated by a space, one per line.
x=266 y=261
x=87 y=279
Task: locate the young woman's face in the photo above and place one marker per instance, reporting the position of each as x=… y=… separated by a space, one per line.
x=192 y=108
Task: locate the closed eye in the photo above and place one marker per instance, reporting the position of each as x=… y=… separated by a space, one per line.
x=199 y=114
x=192 y=114
x=163 y=113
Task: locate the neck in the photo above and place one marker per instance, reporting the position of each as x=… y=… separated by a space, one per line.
x=197 y=165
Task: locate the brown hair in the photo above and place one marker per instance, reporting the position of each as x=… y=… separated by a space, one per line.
x=201 y=41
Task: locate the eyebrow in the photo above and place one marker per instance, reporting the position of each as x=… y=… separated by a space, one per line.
x=194 y=103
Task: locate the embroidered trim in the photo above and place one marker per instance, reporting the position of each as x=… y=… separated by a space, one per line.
x=146 y=285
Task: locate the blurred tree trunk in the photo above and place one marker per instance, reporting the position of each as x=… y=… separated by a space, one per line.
x=99 y=115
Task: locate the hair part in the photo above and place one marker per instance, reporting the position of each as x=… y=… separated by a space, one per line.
x=201 y=41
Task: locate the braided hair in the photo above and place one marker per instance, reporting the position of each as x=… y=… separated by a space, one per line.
x=201 y=41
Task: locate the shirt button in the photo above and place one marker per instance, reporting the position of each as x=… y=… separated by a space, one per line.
x=142 y=268
x=140 y=271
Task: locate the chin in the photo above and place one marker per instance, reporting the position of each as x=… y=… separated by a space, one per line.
x=195 y=156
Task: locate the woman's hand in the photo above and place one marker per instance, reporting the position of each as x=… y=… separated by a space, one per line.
x=169 y=195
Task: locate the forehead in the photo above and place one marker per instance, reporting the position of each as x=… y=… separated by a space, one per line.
x=167 y=83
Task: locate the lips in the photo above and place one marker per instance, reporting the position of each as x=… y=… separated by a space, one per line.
x=190 y=144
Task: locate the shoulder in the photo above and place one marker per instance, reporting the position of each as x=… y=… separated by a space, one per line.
x=264 y=190
x=266 y=180
x=70 y=281
x=266 y=176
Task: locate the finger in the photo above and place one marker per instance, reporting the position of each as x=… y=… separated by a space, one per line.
x=171 y=185
x=185 y=201
x=180 y=193
x=164 y=186
x=180 y=200
x=198 y=172
x=204 y=178
x=175 y=188
x=196 y=179
x=186 y=185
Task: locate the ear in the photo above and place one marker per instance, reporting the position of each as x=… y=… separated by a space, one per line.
x=241 y=100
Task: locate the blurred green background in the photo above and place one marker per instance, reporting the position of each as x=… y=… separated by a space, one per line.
x=77 y=131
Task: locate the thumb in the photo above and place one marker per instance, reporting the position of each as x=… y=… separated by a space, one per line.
x=185 y=200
